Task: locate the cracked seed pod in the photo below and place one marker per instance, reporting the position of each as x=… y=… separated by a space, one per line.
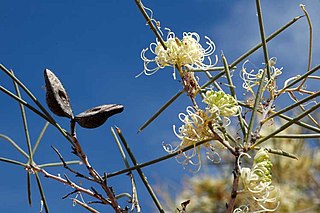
x=56 y=96
x=95 y=117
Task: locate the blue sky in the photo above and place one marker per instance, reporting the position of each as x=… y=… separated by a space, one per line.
x=94 y=48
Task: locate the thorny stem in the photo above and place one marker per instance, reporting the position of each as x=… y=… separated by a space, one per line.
x=79 y=152
x=236 y=177
x=65 y=165
x=35 y=168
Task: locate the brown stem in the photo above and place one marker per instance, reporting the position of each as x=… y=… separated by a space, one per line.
x=222 y=141
x=93 y=173
x=234 y=193
x=35 y=168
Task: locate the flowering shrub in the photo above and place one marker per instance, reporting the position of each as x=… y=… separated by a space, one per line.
x=219 y=122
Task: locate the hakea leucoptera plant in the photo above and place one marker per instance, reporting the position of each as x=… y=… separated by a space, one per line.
x=257 y=184
x=187 y=52
x=199 y=125
x=252 y=78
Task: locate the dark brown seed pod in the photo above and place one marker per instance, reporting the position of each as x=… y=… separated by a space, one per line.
x=95 y=117
x=56 y=96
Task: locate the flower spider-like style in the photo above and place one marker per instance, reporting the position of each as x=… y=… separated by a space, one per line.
x=186 y=52
x=257 y=183
x=198 y=126
x=252 y=79
x=222 y=104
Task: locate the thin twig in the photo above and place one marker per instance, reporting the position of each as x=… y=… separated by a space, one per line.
x=316 y=94
x=233 y=92
x=293 y=97
x=69 y=183
x=142 y=176
x=154 y=161
x=15 y=145
x=95 y=175
x=65 y=165
x=273 y=35
x=297 y=136
x=150 y=23
x=134 y=200
x=29 y=188
x=24 y=121
x=40 y=137
x=255 y=108
x=299 y=78
x=84 y=205
x=7 y=160
x=155 y=115
x=286 y=125
x=310 y=42
x=263 y=39
x=287 y=118
x=59 y=164
x=43 y=197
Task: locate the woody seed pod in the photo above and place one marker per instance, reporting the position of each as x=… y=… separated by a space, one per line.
x=56 y=96
x=95 y=117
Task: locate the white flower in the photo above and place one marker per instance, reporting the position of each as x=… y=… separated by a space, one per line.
x=195 y=128
x=257 y=183
x=252 y=79
x=186 y=52
x=221 y=104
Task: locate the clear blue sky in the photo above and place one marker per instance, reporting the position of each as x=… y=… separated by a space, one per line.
x=94 y=48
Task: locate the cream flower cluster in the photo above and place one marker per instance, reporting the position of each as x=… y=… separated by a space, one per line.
x=221 y=104
x=257 y=183
x=251 y=79
x=195 y=128
x=199 y=125
x=185 y=52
